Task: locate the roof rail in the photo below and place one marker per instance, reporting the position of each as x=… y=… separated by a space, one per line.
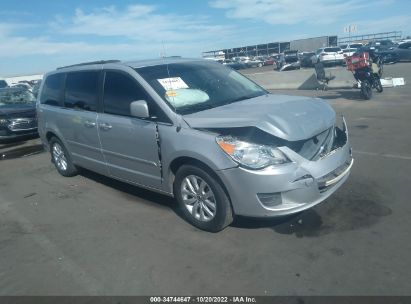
x=89 y=63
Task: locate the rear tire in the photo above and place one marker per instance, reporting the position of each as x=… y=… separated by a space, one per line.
x=202 y=199
x=61 y=158
x=366 y=90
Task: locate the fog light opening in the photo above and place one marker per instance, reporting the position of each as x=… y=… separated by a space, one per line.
x=270 y=200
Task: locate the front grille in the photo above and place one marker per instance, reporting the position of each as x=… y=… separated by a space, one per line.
x=20 y=124
x=316 y=147
x=326 y=182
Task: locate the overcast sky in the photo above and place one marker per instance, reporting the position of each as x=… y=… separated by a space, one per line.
x=37 y=36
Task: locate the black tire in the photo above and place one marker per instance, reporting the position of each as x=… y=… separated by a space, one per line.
x=69 y=169
x=381 y=70
x=223 y=211
x=366 y=90
x=378 y=86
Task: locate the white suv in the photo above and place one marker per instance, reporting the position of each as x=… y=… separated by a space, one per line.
x=329 y=55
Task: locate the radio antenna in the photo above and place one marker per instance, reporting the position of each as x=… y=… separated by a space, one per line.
x=164 y=53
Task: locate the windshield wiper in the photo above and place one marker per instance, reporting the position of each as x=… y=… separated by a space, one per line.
x=242 y=98
x=194 y=108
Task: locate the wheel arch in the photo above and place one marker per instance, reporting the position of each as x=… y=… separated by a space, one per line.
x=184 y=160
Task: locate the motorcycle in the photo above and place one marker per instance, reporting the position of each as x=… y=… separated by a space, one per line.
x=367 y=71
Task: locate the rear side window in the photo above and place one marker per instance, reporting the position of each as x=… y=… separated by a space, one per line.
x=119 y=91
x=81 y=90
x=52 y=89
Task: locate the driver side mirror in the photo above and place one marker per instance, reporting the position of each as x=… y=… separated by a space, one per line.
x=139 y=109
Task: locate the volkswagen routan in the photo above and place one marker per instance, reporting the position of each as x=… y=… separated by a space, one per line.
x=197 y=131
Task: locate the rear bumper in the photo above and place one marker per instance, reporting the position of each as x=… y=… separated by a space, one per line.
x=287 y=189
x=332 y=58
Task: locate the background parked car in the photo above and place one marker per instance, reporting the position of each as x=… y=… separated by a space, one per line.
x=17 y=113
x=287 y=57
x=3 y=84
x=382 y=45
x=305 y=59
x=236 y=65
x=254 y=62
x=269 y=61
x=404 y=51
x=22 y=85
x=387 y=55
x=349 y=52
x=329 y=55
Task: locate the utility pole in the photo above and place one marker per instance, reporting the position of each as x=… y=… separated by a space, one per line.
x=351 y=28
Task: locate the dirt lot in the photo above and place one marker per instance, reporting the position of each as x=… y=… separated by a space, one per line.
x=90 y=235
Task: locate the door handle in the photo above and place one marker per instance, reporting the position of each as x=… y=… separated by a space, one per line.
x=89 y=124
x=105 y=126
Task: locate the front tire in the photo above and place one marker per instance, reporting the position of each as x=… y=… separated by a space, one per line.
x=61 y=158
x=366 y=90
x=202 y=199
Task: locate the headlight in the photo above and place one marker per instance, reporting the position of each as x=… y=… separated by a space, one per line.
x=3 y=121
x=251 y=155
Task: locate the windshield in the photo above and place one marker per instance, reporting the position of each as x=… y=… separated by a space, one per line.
x=16 y=97
x=190 y=87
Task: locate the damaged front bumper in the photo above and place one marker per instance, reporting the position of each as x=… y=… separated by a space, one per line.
x=288 y=188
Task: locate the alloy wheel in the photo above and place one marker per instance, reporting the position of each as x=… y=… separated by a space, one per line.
x=59 y=157
x=198 y=198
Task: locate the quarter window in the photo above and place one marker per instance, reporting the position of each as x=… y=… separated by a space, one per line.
x=51 y=90
x=81 y=90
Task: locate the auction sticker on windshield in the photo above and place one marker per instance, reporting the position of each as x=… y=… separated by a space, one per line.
x=173 y=83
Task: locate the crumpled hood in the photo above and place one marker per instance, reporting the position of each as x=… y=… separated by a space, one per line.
x=288 y=117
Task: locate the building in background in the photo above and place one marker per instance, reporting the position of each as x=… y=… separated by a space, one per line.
x=273 y=48
x=301 y=45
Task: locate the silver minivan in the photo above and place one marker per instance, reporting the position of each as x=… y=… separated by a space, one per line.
x=195 y=130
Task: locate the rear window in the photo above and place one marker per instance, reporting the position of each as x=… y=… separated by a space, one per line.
x=308 y=54
x=332 y=50
x=51 y=90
